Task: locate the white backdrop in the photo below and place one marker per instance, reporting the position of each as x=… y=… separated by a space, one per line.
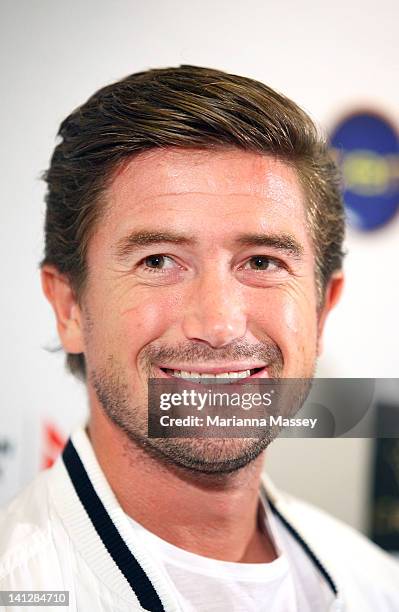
x=53 y=56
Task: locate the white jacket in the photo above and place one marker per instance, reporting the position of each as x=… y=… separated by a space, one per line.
x=67 y=532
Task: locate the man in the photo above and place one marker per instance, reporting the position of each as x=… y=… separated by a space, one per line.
x=194 y=228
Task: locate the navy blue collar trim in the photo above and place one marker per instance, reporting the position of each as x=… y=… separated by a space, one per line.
x=116 y=546
x=306 y=548
x=110 y=536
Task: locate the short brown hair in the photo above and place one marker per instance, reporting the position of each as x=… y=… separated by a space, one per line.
x=185 y=107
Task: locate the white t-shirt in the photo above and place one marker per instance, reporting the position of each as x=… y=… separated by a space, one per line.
x=290 y=583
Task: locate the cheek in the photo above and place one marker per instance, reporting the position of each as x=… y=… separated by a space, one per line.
x=288 y=316
x=127 y=321
x=146 y=321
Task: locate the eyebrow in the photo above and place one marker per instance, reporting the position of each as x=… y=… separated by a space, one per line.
x=127 y=244
x=281 y=242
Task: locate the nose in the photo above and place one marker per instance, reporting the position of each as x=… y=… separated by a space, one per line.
x=215 y=312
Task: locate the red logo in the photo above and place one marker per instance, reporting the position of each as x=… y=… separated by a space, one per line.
x=53 y=444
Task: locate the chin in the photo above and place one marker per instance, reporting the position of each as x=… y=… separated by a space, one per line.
x=208 y=456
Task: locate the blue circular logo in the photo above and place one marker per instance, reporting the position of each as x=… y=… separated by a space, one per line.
x=366 y=147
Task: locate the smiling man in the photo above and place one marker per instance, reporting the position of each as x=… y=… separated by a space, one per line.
x=194 y=229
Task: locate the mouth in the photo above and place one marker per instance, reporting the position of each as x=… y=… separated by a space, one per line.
x=216 y=375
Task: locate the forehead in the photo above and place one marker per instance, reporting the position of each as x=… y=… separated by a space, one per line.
x=205 y=188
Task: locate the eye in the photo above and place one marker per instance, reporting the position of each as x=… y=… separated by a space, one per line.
x=158 y=263
x=155 y=261
x=261 y=263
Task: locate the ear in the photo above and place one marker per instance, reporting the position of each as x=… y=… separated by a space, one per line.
x=331 y=297
x=61 y=296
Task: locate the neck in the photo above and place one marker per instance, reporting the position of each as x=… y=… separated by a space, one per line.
x=211 y=515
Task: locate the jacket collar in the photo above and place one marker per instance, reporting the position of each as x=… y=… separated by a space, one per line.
x=121 y=563
x=281 y=506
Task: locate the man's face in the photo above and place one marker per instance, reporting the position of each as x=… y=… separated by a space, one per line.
x=202 y=263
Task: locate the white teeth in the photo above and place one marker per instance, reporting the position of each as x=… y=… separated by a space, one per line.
x=185 y=374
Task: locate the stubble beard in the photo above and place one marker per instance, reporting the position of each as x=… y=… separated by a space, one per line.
x=211 y=456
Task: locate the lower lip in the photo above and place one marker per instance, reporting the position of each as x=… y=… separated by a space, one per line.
x=263 y=373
